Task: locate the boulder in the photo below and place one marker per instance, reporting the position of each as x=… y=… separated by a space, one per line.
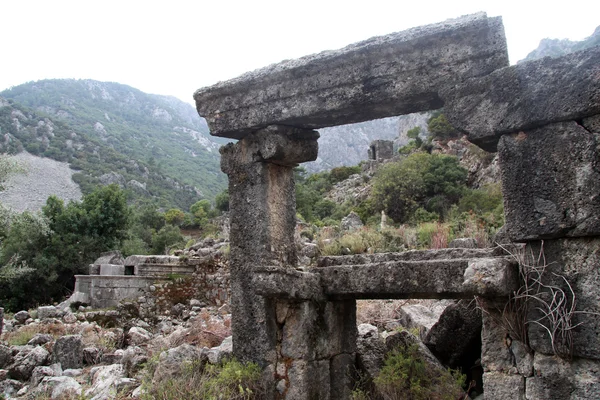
x=370 y=350
x=138 y=335
x=5 y=356
x=61 y=387
x=21 y=316
x=39 y=339
x=68 y=351
x=10 y=387
x=351 y=221
x=171 y=362
x=455 y=339
x=104 y=380
x=39 y=373
x=48 y=312
x=26 y=360
x=219 y=353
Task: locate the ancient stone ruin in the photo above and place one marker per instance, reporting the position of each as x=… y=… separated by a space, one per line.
x=543 y=117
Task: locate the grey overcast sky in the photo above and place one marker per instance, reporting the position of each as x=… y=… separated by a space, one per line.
x=175 y=47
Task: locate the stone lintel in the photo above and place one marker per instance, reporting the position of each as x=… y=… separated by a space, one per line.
x=396 y=74
x=411 y=255
x=288 y=284
x=438 y=279
x=525 y=96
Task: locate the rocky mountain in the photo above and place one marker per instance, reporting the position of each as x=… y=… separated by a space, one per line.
x=155 y=146
x=348 y=144
x=560 y=47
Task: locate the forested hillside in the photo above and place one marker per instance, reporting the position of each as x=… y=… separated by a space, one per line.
x=155 y=146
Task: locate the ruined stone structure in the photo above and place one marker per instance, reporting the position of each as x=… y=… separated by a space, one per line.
x=381 y=150
x=161 y=281
x=544 y=119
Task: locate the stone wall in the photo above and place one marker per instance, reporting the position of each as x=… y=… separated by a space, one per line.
x=543 y=117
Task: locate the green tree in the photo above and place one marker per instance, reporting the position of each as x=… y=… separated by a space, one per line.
x=166 y=237
x=174 y=216
x=431 y=181
x=201 y=211
x=440 y=128
x=222 y=201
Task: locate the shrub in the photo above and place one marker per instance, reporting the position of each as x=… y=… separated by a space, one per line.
x=406 y=376
x=232 y=380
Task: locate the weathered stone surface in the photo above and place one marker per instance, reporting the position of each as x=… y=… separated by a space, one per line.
x=138 y=335
x=68 y=351
x=308 y=380
x=104 y=380
x=26 y=360
x=463 y=243
x=263 y=221
x=39 y=339
x=171 y=362
x=5 y=356
x=341 y=370
x=456 y=338
x=551 y=182
x=576 y=261
x=351 y=221
x=497 y=385
x=61 y=387
x=496 y=355
x=21 y=316
x=592 y=124
x=370 y=349
x=390 y=75
x=217 y=354
x=443 y=279
x=1 y=319
x=525 y=96
x=318 y=330
x=555 y=378
x=10 y=387
x=48 y=312
x=39 y=373
x=412 y=255
x=287 y=283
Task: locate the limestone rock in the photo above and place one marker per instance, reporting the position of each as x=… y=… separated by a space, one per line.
x=456 y=338
x=39 y=339
x=39 y=373
x=10 y=387
x=68 y=351
x=525 y=96
x=558 y=200
x=497 y=385
x=463 y=243
x=104 y=382
x=138 y=335
x=26 y=360
x=48 y=312
x=370 y=350
x=21 y=316
x=173 y=360
x=5 y=356
x=217 y=354
x=351 y=221
x=61 y=387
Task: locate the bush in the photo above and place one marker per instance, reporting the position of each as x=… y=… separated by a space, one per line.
x=232 y=380
x=430 y=181
x=406 y=376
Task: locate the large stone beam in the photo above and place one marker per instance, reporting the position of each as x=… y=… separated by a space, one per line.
x=526 y=96
x=439 y=279
x=396 y=74
x=495 y=277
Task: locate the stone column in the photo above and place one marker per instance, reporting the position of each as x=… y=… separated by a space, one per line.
x=263 y=219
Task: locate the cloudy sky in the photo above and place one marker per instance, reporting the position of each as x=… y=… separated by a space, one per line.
x=175 y=47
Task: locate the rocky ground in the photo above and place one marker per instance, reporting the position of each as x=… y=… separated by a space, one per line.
x=41 y=178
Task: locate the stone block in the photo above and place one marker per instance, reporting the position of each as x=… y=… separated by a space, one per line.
x=434 y=279
x=551 y=182
x=308 y=380
x=287 y=283
x=342 y=370
x=112 y=269
x=68 y=351
x=555 y=378
x=576 y=261
x=396 y=74
x=497 y=385
x=525 y=96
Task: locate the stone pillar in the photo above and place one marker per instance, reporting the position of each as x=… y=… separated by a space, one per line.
x=263 y=218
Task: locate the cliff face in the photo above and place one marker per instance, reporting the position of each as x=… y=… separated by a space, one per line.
x=348 y=144
x=560 y=47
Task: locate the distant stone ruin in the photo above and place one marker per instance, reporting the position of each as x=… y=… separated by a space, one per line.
x=543 y=117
